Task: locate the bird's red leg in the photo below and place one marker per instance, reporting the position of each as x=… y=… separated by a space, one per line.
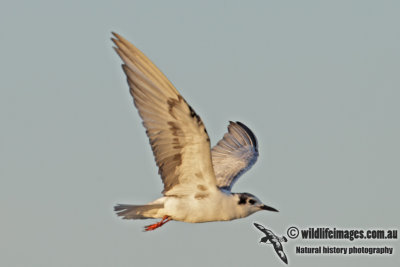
x=152 y=227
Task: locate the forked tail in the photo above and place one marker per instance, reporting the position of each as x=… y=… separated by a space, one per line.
x=137 y=211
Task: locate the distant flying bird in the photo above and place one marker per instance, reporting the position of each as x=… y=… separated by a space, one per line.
x=197 y=179
x=274 y=240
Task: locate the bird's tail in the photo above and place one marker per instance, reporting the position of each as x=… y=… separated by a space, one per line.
x=137 y=211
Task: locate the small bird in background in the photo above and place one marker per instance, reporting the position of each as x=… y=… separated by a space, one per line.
x=271 y=238
x=197 y=179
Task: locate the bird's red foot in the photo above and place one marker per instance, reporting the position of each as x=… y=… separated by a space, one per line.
x=152 y=227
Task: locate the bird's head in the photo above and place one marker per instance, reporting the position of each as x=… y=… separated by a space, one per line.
x=250 y=203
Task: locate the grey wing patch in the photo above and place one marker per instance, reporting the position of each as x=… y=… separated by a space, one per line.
x=234 y=154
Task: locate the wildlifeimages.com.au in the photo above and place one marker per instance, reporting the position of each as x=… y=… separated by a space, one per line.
x=328 y=233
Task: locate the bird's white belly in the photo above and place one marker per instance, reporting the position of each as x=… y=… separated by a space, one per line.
x=216 y=207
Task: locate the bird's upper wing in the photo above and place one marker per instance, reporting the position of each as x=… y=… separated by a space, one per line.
x=178 y=138
x=261 y=228
x=234 y=154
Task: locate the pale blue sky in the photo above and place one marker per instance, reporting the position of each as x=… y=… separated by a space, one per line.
x=317 y=81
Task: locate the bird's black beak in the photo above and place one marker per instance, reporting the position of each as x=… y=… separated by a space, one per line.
x=265 y=207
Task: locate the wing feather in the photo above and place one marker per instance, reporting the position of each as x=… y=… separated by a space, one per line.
x=177 y=135
x=234 y=154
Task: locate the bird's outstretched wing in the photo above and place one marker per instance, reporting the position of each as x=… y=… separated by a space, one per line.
x=280 y=253
x=261 y=228
x=178 y=138
x=234 y=154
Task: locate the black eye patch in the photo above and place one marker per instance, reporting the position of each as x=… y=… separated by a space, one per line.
x=252 y=201
x=242 y=200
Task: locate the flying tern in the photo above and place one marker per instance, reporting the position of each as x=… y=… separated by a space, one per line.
x=197 y=179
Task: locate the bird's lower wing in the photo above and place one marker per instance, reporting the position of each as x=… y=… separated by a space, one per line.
x=178 y=138
x=281 y=255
